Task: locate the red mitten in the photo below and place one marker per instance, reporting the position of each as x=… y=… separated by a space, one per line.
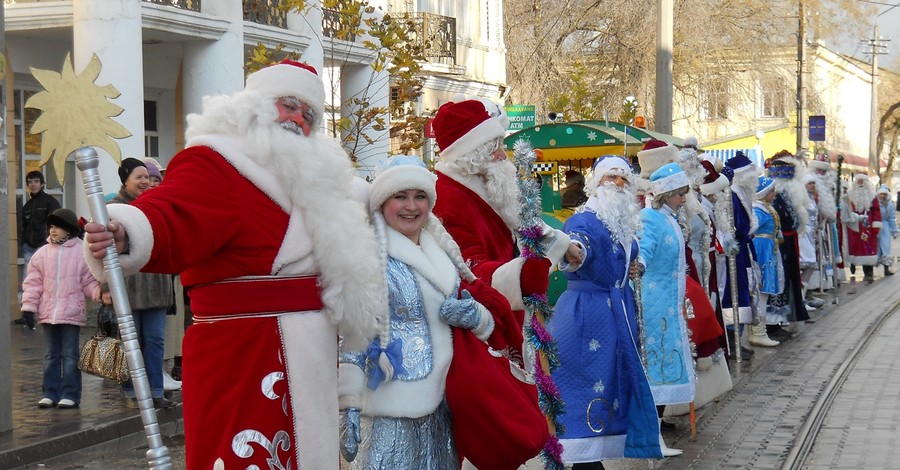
x=535 y=277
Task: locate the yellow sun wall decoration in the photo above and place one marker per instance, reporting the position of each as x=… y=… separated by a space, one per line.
x=75 y=113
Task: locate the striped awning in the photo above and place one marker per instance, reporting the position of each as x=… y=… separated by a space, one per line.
x=754 y=154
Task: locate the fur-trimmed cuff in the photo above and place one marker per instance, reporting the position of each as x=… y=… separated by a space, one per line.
x=486 y=325
x=876 y=224
x=140 y=242
x=506 y=281
x=351 y=385
x=140 y=236
x=556 y=244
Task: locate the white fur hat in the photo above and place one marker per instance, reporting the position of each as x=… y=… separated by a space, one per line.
x=290 y=78
x=655 y=154
x=399 y=173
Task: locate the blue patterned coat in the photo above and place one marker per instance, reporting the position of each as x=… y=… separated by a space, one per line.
x=610 y=411
x=668 y=361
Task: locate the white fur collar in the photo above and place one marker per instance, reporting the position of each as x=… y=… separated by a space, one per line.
x=427 y=259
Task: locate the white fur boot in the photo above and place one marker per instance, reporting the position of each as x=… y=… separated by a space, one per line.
x=666 y=451
x=759 y=337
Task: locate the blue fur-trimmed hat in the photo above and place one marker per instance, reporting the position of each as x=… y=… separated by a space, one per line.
x=736 y=164
x=668 y=177
x=765 y=186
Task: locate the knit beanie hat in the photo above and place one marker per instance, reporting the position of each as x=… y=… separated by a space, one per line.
x=460 y=128
x=153 y=170
x=291 y=78
x=399 y=173
x=128 y=165
x=66 y=220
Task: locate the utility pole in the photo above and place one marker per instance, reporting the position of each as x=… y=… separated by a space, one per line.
x=664 y=33
x=875 y=48
x=802 y=143
x=5 y=333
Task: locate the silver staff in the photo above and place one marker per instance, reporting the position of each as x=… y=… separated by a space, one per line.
x=158 y=454
x=732 y=273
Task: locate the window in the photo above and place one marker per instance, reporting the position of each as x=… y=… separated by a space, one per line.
x=770 y=98
x=714 y=101
x=151 y=130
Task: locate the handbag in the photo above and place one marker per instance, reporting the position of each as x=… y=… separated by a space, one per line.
x=496 y=420
x=103 y=355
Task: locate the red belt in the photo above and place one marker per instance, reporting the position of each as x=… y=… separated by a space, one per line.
x=255 y=296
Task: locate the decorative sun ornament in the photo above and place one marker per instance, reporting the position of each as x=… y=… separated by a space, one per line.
x=75 y=113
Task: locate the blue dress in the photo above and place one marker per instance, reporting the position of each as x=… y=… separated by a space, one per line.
x=888 y=231
x=610 y=413
x=667 y=350
x=767 y=254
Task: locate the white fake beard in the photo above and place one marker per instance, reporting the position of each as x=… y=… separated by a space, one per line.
x=316 y=173
x=500 y=180
x=861 y=197
x=825 y=185
x=747 y=181
x=617 y=208
x=794 y=193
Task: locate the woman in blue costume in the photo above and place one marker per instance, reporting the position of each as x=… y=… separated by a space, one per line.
x=766 y=241
x=610 y=412
x=667 y=349
x=398 y=383
x=888 y=229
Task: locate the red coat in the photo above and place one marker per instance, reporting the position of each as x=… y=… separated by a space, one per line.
x=862 y=235
x=211 y=223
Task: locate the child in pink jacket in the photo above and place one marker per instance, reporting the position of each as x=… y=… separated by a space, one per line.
x=57 y=282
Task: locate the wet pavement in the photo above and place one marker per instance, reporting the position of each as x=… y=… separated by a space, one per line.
x=754 y=426
x=40 y=434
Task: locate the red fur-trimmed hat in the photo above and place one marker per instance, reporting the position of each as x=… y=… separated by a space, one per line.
x=713 y=182
x=291 y=78
x=462 y=127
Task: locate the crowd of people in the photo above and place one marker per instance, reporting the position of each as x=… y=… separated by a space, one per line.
x=379 y=325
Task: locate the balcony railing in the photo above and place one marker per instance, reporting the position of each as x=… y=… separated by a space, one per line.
x=334 y=26
x=193 y=5
x=437 y=35
x=265 y=12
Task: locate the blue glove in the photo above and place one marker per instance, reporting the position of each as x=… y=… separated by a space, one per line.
x=349 y=433
x=462 y=312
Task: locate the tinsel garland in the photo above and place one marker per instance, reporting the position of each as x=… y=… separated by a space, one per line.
x=531 y=236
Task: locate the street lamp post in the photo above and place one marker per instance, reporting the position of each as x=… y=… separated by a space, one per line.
x=876 y=49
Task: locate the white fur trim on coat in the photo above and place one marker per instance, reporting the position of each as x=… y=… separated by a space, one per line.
x=140 y=241
x=506 y=280
x=351 y=386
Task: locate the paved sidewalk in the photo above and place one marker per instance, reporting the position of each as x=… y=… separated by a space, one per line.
x=40 y=434
x=754 y=425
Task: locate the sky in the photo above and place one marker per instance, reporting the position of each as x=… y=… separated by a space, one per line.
x=888 y=28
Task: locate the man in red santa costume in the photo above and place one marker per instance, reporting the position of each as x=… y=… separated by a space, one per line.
x=862 y=221
x=257 y=215
x=478 y=201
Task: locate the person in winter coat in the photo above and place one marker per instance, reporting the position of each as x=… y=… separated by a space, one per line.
x=33 y=221
x=150 y=295
x=889 y=231
x=57 y=282
x=408 y=421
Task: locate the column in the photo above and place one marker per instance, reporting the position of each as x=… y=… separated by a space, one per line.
x=360 y=81
x=111 y=29
x=215 y=67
